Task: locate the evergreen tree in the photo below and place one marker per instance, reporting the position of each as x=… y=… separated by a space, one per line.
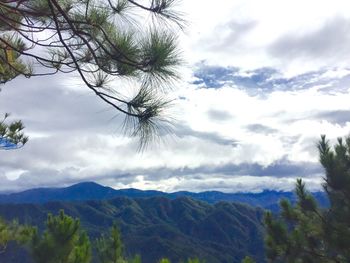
x=248 y=260
x=61 y=242
x=111 y=249
x=14 y=232
x=306 y=233
x=11 y=135
x=135 y=259
x=104 y=43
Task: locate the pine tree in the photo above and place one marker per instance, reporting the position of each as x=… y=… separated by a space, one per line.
x=14 y=232
x=11 y=135
x=304 y=232
x=61 y=242
x=135 y=259
x=111 y=249
x=104 y=42
x=248 y=260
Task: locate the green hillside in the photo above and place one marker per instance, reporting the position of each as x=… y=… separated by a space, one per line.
x=158 y=227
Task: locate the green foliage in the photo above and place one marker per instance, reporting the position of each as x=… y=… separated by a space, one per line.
x=10 y=63
x=11 y=135
x=110 y=249
x=104 y=43
x=164 y=260
x=14 y=232
x=160 y=227
x=248 y=260
x=135 y=259
x=306 y=233
x=82 y=250
x=62 y=242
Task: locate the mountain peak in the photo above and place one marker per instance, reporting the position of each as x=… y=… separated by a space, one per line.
x=87 y=185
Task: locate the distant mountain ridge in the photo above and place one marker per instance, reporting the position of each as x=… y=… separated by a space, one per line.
x=93 y=191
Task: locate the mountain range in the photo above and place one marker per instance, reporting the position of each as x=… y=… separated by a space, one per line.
x=93 y=191
x=215 y=226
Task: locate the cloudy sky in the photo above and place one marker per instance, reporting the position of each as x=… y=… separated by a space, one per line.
x=262 y=81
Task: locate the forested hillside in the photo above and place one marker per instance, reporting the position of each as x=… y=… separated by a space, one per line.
x=159 y=227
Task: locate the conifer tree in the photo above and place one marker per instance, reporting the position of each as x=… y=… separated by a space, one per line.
x=304 y=232
x=14 y=232
x=11 y=135
x=104 y=43
x=248 y=260
x=61 y=242
x=111 y=249
x=135 y=259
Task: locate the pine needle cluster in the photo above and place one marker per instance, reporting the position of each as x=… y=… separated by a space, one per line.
x=104 y=42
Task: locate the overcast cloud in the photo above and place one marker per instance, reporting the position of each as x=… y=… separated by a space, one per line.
x=258 y=90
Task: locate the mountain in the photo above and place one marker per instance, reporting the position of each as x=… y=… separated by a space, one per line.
x=77 y=192
x=93 y=191
x=265 y=199
x=157 y=227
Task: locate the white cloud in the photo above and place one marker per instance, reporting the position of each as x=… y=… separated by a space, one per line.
x=245 y=184
x=237 y=128
x=274 y=21
x=223 y=131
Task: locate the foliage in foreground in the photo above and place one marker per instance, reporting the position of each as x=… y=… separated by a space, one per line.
x=63 y=241
x=11 y=135
x=120 y=57
x=13 y=232
x=248 y=260
x=305 y=233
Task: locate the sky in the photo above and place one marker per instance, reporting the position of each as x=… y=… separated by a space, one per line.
x=262 y=80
